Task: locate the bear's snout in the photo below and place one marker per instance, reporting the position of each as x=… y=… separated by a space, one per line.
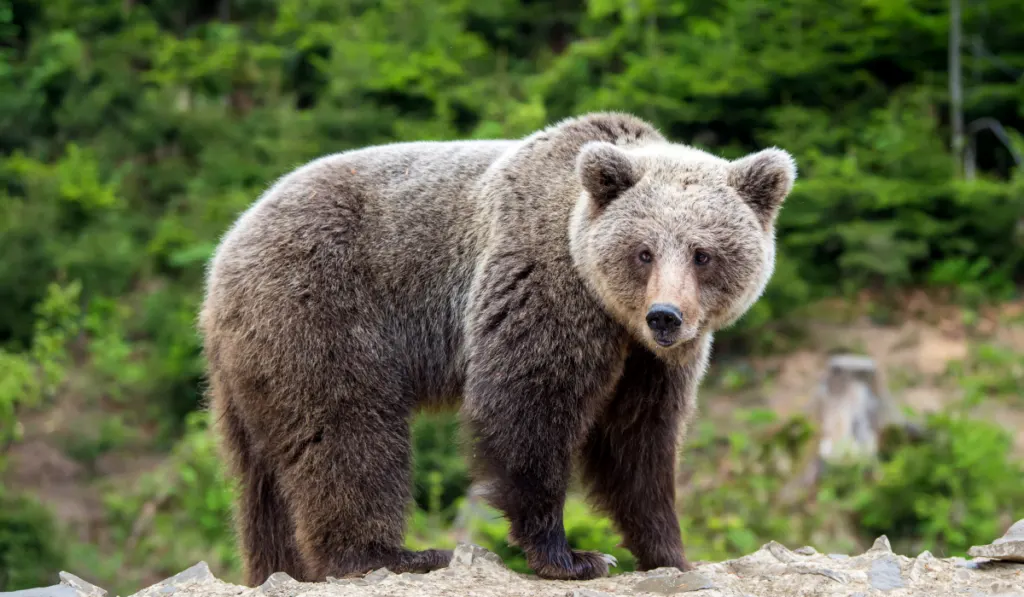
x=665 y=321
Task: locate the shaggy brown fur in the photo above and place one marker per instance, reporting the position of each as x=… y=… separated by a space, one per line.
x=518 y=277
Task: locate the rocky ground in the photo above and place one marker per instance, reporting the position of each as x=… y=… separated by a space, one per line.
x=773 y=571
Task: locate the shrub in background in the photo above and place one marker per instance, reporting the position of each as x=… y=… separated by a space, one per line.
x=958 y=486
x=31 y=546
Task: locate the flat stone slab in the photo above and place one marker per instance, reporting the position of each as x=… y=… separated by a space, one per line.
x=678 y=583
x=1008 y=548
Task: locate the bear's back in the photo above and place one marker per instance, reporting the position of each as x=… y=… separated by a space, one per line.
x=391 y=210
x=357 y=240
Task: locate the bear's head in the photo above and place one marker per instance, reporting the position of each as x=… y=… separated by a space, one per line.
x=676 y=242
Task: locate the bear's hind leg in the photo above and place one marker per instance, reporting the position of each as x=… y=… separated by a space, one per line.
x=266 y=532
x=349 y=485
x=265 y=528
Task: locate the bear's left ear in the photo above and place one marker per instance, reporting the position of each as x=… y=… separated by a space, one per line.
x=764 y=179
x=605 y=171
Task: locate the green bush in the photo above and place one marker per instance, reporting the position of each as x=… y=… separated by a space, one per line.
x=180 y=514
x=959 y=486
x=735 y=484
x=31 y=546
x=440 y=476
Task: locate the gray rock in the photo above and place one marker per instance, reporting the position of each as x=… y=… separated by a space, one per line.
x=377 y=575
x=881 y=545
x=197 y=573
x=84 y=588
x=467 y=554
x=826 y=572
x=772 y=571
x=356 y=582
x=922 y=566
x=884 y=574
x=1008 y=548
x=1002 y=587
x=670 y=585
x=755 y=566
x=806 y=550
x=838 y=556
x=780 y=552
x=411 y=577
x=275 y=580
x=1014 y=533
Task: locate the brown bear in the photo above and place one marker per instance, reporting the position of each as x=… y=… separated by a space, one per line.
x=563 y=288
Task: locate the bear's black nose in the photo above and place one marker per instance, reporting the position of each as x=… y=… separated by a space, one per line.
x=664 y=318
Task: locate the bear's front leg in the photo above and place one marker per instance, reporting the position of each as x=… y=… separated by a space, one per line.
x=629 y=459
x=533 y=502
x=523 y=446
x=535 y=371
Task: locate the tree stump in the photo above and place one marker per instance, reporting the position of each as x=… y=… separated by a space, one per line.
x=852 y=406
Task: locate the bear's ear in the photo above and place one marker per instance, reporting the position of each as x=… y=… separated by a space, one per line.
x=605 y=171
x=764 y=179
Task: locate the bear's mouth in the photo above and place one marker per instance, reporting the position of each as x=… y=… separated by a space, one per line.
x=665 y=341
x=675 y=337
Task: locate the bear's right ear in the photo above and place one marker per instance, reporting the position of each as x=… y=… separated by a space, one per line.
x=605 y=171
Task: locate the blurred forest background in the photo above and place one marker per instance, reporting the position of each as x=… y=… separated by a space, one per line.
x=134 y=131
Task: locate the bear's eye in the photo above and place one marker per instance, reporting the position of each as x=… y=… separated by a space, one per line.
x=645 y=256
x=701 y=258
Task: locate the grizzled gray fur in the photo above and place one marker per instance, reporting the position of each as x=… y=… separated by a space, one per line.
x=562 y=288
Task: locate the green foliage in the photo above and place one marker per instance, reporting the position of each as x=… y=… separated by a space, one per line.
x=112 y=432
x=30 y=547
x=440 y=476
x=734 y=481
x=27 y=379
x=179 y=514
x=30 y=542
x=991 y=372
x=957 y=488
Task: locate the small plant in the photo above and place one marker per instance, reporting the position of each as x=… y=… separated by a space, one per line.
x=27 y=379
x=990 y=372
x=181 y=513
